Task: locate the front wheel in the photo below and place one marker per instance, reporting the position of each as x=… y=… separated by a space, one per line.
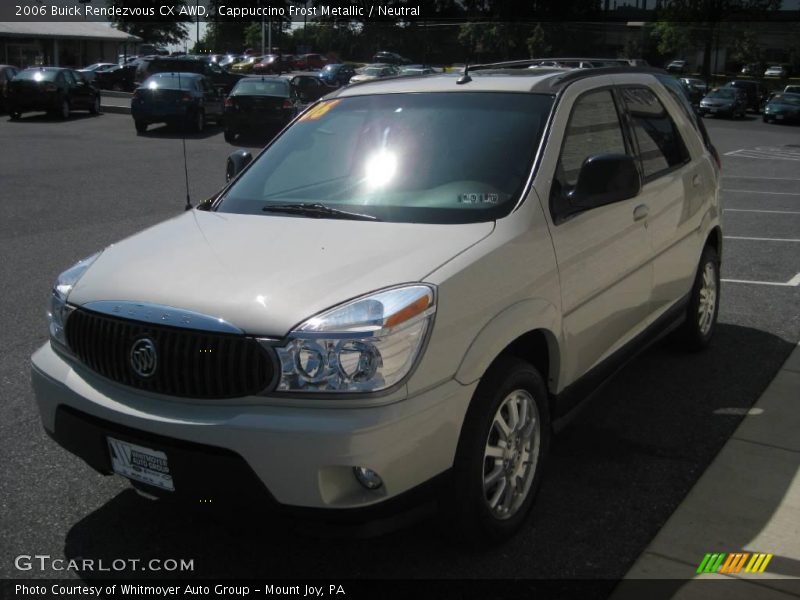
x=500 y=455
x=701 y=314
x=141 y=127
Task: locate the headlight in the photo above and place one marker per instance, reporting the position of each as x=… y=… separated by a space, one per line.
x=57 y=313
x=365 y=345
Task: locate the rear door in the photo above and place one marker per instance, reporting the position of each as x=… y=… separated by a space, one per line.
x=212 y=98
x=603 y=253
x=679 y=183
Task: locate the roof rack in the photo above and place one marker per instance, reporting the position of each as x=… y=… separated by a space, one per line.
x=533 y=62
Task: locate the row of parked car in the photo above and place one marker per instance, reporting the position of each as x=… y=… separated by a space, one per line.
x=737 y=97
x=751 y=70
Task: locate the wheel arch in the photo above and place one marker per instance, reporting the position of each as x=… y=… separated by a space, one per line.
x=714 y=240
x=525 y=330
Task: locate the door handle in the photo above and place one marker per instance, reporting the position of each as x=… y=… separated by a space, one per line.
x=640 y=212
x=696 y=180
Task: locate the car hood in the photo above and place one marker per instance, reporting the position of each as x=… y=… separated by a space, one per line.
x=266 y=274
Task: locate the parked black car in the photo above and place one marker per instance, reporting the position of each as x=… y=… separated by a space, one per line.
x=258 y=104
x=119 y=78
x=390 y=58
x=308 y=87
x=216 y=75
x=7 y=73
x=756 y=93
x=727 y=101
x=185 y=99
x=53 y=89
x=337 y=74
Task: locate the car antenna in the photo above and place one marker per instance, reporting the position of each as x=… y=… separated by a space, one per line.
x=185 y=166
x=465 y=78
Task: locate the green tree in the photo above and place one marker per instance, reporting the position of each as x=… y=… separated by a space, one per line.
x=151 y=29
x=537 y=42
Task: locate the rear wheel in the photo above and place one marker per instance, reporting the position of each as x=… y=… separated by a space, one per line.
x=64 y=110
x=95 y=109
x=199 y=121
x=141 y=126
x=230 y=136
x=701 y=315
x=15 y=114
x=500 y=455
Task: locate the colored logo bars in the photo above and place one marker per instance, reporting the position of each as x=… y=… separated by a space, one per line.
x=733 y=563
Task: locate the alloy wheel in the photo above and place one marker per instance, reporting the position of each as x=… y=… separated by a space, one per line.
x=511 y=454
x=708 y=299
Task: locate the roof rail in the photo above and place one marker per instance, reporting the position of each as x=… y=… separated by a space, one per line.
x=532 y=62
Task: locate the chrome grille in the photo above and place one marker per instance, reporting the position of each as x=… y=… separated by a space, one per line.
x=191 y=363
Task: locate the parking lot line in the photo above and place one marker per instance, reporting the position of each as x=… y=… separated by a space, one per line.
x=793 y=282
x=760 y=239
x=754 y=210
x=761 y=192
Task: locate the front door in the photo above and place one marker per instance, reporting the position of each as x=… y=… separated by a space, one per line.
x=603 y=253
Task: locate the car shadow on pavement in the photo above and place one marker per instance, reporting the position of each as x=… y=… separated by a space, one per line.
x=48 y=118
x=614 y=477
x=174 y=132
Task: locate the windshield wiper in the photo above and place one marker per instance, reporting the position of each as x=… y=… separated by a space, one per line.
x=317 y=211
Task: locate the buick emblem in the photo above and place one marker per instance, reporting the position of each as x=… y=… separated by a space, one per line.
x=144 y=358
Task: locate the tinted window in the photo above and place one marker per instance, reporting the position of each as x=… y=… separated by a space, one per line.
x=258 y=87
x=454 y=157
x=170 y=82
x=37 y=75
x=660 y=145
x=593 y=128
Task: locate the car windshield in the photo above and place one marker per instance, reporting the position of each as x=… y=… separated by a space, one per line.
x=455 y=157
x=373 y=71
x=258 y=87
x=723 y=94
x=790 y=99
x=37 y=75
x=171 y=82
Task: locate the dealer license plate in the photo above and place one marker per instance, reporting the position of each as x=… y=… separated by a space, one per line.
x=140 y=463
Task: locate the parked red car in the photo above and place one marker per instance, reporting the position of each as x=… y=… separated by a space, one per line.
x=306 y=62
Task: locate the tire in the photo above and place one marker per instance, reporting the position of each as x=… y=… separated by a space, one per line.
x=14 y=115
x=64 y=110
x=481 y=505
x=199 y=123
x=141 y=127
x=230 y=136
x=701 y=313
x=95 y=109
x=116 y=87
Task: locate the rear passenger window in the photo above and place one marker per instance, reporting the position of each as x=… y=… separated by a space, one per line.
x=661 y=147
x=594 y=128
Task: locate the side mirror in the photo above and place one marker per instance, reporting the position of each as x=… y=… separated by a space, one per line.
x=603 y=179
x=236 y=163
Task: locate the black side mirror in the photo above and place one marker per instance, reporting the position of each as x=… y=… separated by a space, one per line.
x=236 y=163
x=603 y=179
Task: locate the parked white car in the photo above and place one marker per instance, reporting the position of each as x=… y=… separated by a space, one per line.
x=775 y=71
x=404 y=294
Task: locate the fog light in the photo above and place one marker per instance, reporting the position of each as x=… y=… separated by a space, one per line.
x=368 y=478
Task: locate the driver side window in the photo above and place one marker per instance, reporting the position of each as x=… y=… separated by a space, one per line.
x=593 y=128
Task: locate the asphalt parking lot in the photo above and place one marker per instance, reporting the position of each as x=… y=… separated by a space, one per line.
x=615 y=475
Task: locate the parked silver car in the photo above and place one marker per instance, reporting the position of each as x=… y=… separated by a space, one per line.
x=404 y=294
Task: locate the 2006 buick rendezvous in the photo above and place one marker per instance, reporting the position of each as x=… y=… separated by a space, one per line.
x=408 y=289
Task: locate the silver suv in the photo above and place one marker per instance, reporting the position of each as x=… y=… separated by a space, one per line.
x=400 y=298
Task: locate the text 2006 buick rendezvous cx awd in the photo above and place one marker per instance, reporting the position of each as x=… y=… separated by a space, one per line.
x=405 y=292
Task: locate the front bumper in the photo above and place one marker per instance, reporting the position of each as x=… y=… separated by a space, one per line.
x=301 y=456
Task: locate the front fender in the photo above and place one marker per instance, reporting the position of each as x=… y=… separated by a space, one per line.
x=516 y=320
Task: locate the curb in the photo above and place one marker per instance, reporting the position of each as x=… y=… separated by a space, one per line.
x=114 y=108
